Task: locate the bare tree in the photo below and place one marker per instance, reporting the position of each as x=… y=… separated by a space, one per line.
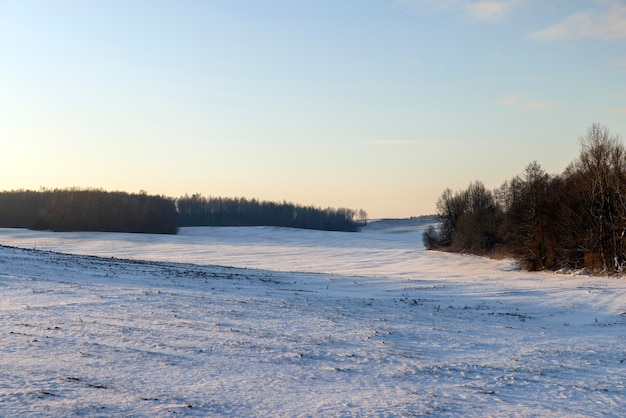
x=599 y=174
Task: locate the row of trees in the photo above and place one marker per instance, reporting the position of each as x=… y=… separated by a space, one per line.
x=98 y=210
x=576 y=219
x=88 y=210
x=198 y=210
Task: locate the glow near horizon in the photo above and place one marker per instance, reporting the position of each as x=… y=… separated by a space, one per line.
x=377 y=105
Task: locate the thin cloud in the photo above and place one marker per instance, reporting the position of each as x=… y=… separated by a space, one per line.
x=492 y=11
x=398 y=142
x=525 y=102
x=432 y=6
x=413 y=63
x=619 y=63
x=620 y=110
x=606 y=21
x=482 y=10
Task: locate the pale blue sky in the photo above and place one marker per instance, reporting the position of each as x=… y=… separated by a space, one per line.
x=373 y=104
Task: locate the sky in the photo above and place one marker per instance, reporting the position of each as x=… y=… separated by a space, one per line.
x=372 y=104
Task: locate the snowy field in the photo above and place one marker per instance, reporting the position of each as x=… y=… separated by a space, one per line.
x=298 y=323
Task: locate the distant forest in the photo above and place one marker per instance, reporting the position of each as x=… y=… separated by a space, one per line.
x=87 y=210
x=576 y=219
x=99 y=210
x=198 y=210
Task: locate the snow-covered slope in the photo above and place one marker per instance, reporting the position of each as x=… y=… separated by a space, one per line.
x=324 y=324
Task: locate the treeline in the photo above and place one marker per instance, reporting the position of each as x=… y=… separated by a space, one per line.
x=88 y=210
x=99 y=210
x=197 y=210
x=576 y=219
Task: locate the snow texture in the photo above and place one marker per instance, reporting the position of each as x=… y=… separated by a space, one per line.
x=302 y=323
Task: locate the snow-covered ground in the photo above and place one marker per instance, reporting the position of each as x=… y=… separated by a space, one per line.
x=303 y=323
